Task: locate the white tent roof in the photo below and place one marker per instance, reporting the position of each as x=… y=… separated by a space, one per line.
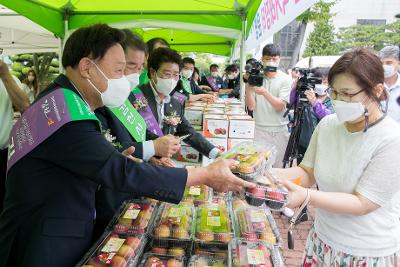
x=20 y=35
x=317 y=61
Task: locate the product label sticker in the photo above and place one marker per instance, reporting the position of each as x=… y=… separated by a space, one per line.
x=255 y=256
x=131 y=213
x=214 y=218
x=257 y=216
x=113 y=245
x=195 y=190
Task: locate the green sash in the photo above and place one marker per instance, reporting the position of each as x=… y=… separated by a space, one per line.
x=132 y=120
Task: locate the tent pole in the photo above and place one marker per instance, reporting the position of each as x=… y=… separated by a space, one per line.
x=243 y=56
x=63 y=40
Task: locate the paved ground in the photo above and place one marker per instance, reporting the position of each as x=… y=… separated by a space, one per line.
x=293 y=257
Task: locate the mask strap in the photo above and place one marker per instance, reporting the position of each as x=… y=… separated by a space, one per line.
x=366 y=115
x=94 y=87
x=102 y=73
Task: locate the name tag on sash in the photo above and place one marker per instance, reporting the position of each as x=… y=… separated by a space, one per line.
x=147 y=114
x=132 y=120
x=43 y=119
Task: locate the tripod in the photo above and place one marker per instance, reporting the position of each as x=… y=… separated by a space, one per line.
x=291 y=151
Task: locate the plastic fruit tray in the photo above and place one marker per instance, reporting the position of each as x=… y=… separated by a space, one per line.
x=115 y=250
x=136 y=217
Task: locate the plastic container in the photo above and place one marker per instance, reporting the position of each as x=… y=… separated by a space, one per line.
x=213 y=224
x=252 y=254
x=154 y=260
x=136 y=217
x=252 y=160
x=197 y=194
x=115 y=250
x=274 y=197
x=172 y=234
x=253 y=223
x=175 y=222
x=211 y=250
x=204 y=261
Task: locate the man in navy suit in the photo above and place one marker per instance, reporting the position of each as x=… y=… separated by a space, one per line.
x=164 y=66
x=49 y=206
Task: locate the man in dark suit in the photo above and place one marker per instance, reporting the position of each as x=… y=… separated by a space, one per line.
x=109 y=200
x=188 y=87
x=164 y=69
x=49 y=205
x=214 y=81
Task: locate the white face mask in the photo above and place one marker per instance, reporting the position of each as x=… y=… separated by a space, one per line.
x=348 y=112
x=133 y=79
x=214 y=74
x=231 y=76
x=320 y=89
x=270 y=66
x=187 y=73
x=388 y=71
x=165 y=86
x=117 y=90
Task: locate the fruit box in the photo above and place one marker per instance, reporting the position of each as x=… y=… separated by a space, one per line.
x=115 y=250
x=136 y=217
x=215 y=126
x=252 y=159
x=256 y=223
x=241 y=127
x=216 y=105
x=197 y=194
x=196 y=104
x=155 y=260
x=203 y=261
x=213 y=224
x=194 y=115
x=220 y=143
x=253 y=254
x=187 y=154
x=175 y=222
x=274 y=196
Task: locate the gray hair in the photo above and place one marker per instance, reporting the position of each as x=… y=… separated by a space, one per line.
x=391 y=51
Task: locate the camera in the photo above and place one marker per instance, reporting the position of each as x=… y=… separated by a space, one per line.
x=256 y=71
x=307 y=81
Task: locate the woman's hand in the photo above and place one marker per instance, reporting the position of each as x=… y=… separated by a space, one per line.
x=297 y=194
x=311 y=96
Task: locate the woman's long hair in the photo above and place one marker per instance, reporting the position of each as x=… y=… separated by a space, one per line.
x=33 y=84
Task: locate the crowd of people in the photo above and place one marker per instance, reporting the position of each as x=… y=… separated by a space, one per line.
x=62 y=186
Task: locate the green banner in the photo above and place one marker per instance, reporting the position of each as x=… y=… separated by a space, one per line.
x=186 y=85
x=77 y=108
x=132 y=120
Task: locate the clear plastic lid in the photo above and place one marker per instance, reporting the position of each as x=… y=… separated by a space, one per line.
x=213 y=223
x=175 y=222
x=115 y=250
x=198 y=194
x=154 y=260
x=204 y=261
x=253 y=224
x=251 y=253
x=251 y=158
x=136 y=217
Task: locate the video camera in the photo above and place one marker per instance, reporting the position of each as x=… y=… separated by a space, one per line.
x=307 y=81
x=256 y=71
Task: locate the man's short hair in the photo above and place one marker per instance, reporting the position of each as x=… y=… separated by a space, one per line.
x=271 y=50
x=231 y=68
x=93 y=42
x=152 y=43
x=188 y=60
x=133 y=41
x=214 y=66
x=163 y=55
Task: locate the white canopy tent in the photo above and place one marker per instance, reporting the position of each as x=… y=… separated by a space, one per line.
x=20 y=35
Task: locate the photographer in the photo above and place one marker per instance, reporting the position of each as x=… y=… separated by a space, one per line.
x=320 y=106
x=268 y=101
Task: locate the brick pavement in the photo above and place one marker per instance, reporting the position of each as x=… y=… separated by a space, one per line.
x=293 y=257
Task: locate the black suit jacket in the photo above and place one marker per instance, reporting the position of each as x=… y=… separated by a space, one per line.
x=196 y=140
x=49 y=205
